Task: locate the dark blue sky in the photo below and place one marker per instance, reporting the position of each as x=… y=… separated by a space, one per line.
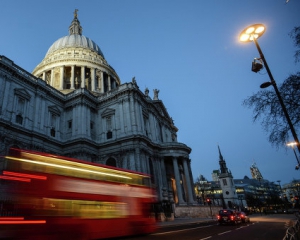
x=189 y=50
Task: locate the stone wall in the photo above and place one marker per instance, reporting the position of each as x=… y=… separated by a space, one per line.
x=197 y=211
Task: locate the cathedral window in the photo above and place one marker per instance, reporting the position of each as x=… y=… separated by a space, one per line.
x=20 y=110
x=19 y=119
x=109 y=135
x=92 y=125
x=22 y=98
x=52 y=132
x=53 y=123
x=21 y=105
x=70 y=124
x=108 y=123
x=53 y=120
x=108 y=127
x=224 y=182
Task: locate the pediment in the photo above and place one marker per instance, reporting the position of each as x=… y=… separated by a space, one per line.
x=161 y=108
x=108 y=112
x=54 y=109
x=21 y=92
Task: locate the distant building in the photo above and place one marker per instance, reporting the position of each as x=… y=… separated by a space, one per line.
x=256 y=194
x=291 y=192
x=215 y=175
x=255 y=173
x=227 y=184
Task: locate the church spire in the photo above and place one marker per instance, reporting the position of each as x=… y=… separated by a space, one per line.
x=222 y=162
x=75 y=27
x=220 y=154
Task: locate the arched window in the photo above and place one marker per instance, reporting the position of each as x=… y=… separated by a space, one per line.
x=111 y=162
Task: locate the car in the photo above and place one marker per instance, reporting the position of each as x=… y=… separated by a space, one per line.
x=228 y=216
x=244 y=217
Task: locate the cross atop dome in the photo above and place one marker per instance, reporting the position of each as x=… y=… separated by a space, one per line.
x=75 y=13
x=75 y=27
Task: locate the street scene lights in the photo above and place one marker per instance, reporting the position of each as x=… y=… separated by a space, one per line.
x=251 y=34
x=292 y=145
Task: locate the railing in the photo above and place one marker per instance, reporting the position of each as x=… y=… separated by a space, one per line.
x=292 y=233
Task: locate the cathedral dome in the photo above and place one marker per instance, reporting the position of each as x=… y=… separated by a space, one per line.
x=75 y=61
x=74 y=40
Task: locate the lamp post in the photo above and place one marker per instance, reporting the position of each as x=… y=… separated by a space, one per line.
x=293 y=144
x=252 y=33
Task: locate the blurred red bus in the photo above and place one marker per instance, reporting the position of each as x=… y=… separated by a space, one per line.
x=53 y=197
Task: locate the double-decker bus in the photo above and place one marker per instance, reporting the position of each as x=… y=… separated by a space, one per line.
x=44 y=196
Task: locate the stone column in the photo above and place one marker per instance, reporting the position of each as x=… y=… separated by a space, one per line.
x=72 y=77
x=109 y=83
x=158 y=176
x=163 y=172
x=139 y=117
x=121 y=119
x=188 y=182
x=177 y=180
x=137 y=159
x=44 y=76
x=152 y=132
x=143 y=162
x=102 y=81
x=61 y=82
x=43 y=115
x=93 y=78
x=4 y=94
x=74 y=120
x=37 y=113
x=133 y=113
x=82 y=77
x=52 y=77
x=128 y=115
x=191 y=178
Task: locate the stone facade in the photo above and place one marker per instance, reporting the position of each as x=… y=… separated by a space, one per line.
x=197 y=212
x=75 y=105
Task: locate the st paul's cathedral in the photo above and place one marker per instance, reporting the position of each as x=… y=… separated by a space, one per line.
x=74 y=104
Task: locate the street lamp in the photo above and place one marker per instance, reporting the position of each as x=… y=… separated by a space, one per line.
x=293 y=144
x=252 y=33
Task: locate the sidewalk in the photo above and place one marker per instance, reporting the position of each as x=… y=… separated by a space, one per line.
x=187 y=220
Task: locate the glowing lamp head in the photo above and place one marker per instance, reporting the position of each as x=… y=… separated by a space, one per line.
x=251 y=32
x=292 y=144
